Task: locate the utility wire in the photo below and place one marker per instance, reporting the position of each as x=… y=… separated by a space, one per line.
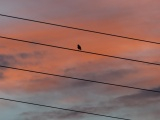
x=80 y=29
x=80 y=79
x=71 y=110
x=105 y=55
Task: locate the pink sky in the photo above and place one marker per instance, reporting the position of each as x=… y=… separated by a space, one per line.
x=138 y=19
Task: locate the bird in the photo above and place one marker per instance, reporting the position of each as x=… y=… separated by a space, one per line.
x=79 y=47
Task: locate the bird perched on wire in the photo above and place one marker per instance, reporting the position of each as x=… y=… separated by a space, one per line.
x=79 y=47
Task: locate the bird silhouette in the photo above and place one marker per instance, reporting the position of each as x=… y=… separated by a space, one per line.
x=79 y=47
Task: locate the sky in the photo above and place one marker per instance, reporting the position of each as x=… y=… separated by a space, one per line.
x=132 y=18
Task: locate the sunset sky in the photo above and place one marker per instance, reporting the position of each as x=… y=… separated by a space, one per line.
x=132 y=18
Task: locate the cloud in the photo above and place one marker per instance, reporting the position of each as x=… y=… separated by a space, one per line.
x=61 y=115
x=101 y=71
x=130 y=18
x=139 y=99
x=35 y=54
x=7 y=60
x=67 y=115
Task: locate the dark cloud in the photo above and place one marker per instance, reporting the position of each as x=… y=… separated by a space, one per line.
x=139 y=99
x=66 y=115
x=118 y=73
x=81 y=84
x=12 y=60
x=7 y=60
x=25 y=55
x=103 y=74
x=60 y=115
x=35 y=54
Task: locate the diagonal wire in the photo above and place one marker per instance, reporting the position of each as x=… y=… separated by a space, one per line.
x=80 y=29
x=105 y=55
x=80 y=79
x=65 y=109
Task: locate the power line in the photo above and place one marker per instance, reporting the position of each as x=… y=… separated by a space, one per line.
x=80 y=79
x=105 y=55
x=80 y=29
x=83 y=112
